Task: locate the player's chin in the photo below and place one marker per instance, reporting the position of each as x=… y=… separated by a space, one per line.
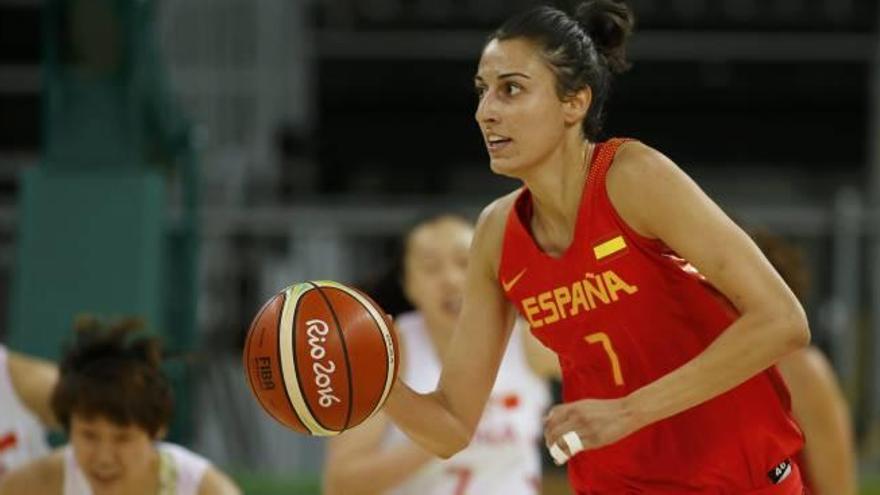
x=506 y=166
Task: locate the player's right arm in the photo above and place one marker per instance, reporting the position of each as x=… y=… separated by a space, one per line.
x=444 y=421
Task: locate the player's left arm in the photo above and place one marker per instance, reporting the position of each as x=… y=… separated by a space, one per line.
x=658 y=200
x=215 y=482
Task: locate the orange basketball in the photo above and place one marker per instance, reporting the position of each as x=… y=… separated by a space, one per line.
x=321 y=357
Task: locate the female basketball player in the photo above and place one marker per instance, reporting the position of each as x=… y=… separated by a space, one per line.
x=828 y=459
x=115 y=403
x=666 y=318
x=503 y=458
x=26 y=384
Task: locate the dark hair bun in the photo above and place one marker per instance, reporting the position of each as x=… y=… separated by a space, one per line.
x=609 y=24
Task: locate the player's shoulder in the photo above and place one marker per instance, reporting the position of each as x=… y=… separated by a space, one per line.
x=495 y=214
x=43 y=475
x=216 y=482
x=493 y=219
x=195 y=467
x=491 y=225
x=636 y=163
x=639 y=181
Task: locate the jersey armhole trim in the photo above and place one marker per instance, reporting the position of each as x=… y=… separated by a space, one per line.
x=653 y=244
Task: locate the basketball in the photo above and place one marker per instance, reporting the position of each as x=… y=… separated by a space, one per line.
x=321 y=357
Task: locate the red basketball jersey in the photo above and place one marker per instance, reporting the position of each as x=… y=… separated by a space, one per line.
x=621 y=311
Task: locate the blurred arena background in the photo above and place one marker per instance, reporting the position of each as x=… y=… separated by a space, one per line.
x=185 y=159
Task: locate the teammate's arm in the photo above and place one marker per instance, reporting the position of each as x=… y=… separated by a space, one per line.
x=33 y=380
x=444 y=421
x=357 y=464
x=820 y=408
x=658 y=200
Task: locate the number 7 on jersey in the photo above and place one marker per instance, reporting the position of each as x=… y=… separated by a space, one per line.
x=605 y=340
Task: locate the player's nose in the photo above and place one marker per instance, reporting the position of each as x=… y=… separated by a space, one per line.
x=104 y=457
x=453 y=279
x=487 y=110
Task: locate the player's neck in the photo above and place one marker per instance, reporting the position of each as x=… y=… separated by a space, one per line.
x=556 y=189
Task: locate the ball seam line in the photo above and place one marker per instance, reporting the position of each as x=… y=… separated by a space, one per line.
x=386 y=336
x=344 y=354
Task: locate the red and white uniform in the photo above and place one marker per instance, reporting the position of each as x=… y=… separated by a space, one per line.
x=504 y=456
x=22 y=436
x=621 y=311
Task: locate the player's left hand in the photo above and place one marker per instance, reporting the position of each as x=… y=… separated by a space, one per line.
x=595 y=422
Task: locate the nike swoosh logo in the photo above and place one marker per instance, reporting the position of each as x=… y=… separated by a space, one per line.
x=509 y=285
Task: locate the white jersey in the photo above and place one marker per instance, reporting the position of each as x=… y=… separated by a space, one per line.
x=504 y=456
x=22 y=436
x=180 y=471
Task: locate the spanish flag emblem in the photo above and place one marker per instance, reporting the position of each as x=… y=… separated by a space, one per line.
x=609 y=247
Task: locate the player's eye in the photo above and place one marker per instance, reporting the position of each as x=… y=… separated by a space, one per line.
x=512 y=89
x=479 y=91
x=431 y=267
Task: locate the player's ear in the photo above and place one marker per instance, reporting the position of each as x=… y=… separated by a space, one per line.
x=576 y=105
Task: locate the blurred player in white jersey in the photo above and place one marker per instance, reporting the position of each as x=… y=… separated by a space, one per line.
x=26 y=384
x=115 y=404
x=503 y=457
